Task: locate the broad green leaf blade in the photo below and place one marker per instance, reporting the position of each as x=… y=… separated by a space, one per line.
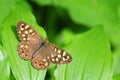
x=5 y=8
x=64 y=37
x=91 y=13
x=0 y=36
x=22 y=70
x=6 y=5
x=92 y=58
x=116 y=56
x=4 y=67
x=116 y=77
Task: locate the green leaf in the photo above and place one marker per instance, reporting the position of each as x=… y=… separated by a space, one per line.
x=92 y=58
x=116 y=57
x=116 y=77
x=64 y=37
x=6 y=5
x=4 y=67
x=22 y=70
x=5 y=8
x=91 y=13
x=0 y=37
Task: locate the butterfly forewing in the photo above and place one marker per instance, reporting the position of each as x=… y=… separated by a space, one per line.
x=25 y=32
x=59 y=56
x=40 y=51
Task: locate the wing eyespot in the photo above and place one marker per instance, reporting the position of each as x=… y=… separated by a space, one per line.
x=22 y=26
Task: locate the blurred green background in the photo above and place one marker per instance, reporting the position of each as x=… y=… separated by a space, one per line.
x=88 y=29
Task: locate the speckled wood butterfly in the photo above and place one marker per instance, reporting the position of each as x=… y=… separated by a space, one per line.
x=40 y=51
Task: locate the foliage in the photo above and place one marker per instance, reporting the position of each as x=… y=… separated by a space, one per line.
x=88 y=30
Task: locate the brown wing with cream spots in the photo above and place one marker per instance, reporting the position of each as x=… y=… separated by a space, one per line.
x=41 y=58
x=41 y=52
x=30 y=40
x=25 y=31
x=59 y=56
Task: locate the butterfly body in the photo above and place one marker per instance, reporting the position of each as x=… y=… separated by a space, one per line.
x=40 y=51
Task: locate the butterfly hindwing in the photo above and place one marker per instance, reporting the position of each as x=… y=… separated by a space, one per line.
x=41 y=58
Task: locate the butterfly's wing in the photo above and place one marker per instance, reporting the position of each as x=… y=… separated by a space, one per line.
x=41 y=58
x=59 y=56
x=30 y=40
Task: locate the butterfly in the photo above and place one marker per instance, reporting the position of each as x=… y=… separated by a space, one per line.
x=40 y=51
